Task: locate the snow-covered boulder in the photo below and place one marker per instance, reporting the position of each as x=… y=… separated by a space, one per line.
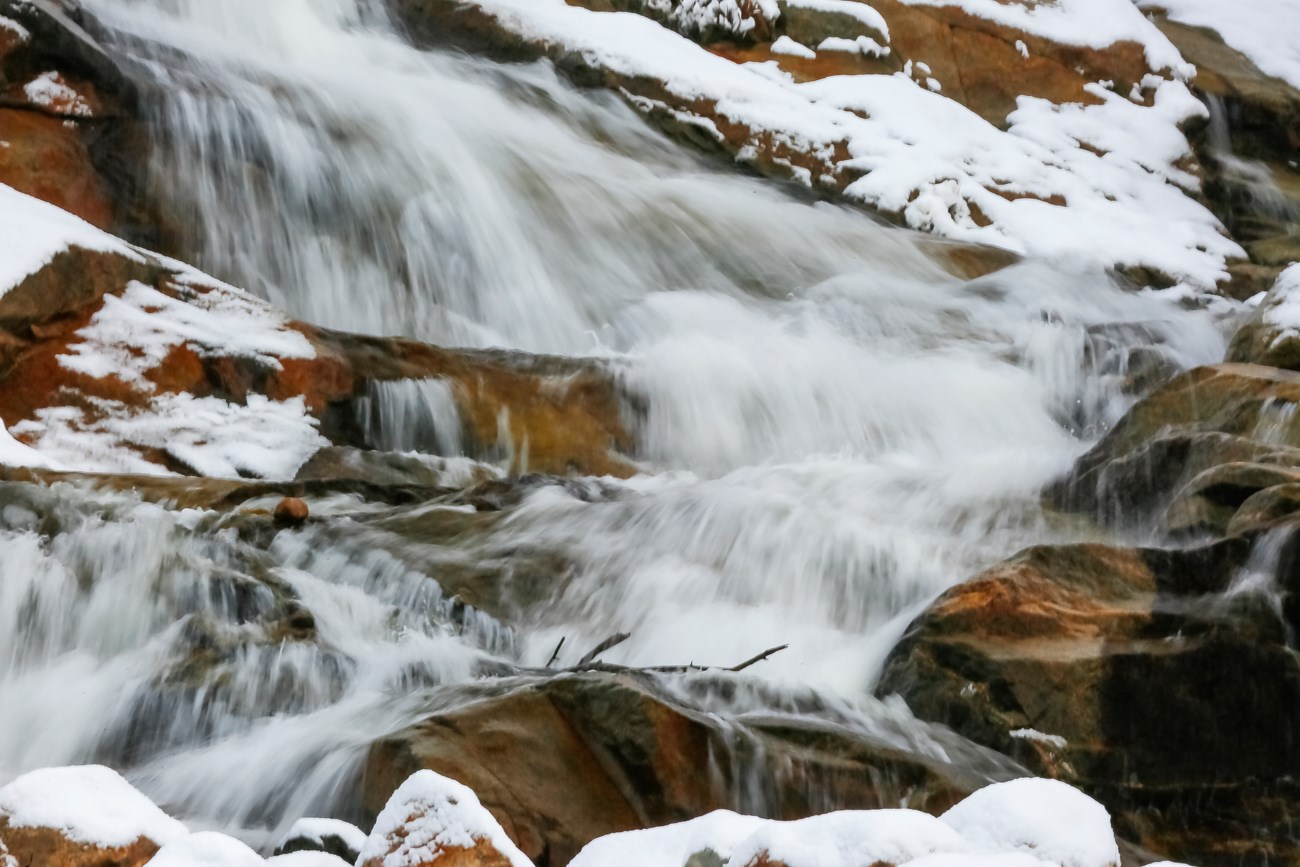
x=1271 y=335
x=1044 y=818
x=431 y=819
x=206 y=849
x=85 y=816
x=718 y=832
x=323 y=835
x=846 y=838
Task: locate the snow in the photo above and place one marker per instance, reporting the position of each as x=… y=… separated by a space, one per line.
x=852 y=8
x=16 y=454
x=19 y=31
x=1045 y=818
x=206 y=849
x=862 y=45
x=1266 y=31
x=89 y=804
x=1039 y=737
x=1280 y=307
x=317 y=830
x=307 y=859
x=733 y=16
x=786 y=45
x=132 y=334
x=1039 y=188
x=49 y=90
x=850 y=837
x=719 y=831
x=428 y=814
x=264 y=438
x=33 y=232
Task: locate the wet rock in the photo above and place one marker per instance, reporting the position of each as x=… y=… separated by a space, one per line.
x=592 y=754
x=291 y=512
x=1220 y=414
x=1265 y=508
x=1128 y=673
x=80 y=817
x=1209 y=502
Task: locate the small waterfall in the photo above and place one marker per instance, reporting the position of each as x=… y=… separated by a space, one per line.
x=411 y=415
x=1257 y=191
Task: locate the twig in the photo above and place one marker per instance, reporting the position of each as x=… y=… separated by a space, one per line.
x=759 y=658
x=556 y=654
x=613 y=641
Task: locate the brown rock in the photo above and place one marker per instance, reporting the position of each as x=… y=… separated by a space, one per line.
x=592 y=754
x=1165 y=696
x=47 y=157
x=46 y=847
x=291 y=512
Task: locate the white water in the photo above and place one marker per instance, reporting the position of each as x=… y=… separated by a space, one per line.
x=835 y=429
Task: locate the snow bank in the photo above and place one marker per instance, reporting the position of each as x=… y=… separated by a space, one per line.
x=1266 y=31
x=206 y=849
x=1046 y=818
x=428 y=814
x=33 y=232
x=89 y=804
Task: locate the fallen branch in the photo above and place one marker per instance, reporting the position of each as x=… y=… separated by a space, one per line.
x=613 y=641
x=753 y=660
x=556 y=654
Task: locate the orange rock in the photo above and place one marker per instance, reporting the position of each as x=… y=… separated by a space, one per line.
x=46 y=157
x=291 y=512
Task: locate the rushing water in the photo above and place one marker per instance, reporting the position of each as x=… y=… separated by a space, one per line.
x=833 y=430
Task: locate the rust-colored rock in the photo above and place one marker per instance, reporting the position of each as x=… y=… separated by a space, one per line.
x=291 y=512
x=47 y=157
x=46 y=847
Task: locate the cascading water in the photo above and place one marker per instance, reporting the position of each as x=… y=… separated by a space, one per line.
x=833 y=428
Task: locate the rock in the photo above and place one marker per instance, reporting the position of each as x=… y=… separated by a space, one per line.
x=221 y=384
x=1271 y=336
x=80 y=817
x=1265 y=508
x=332 y=836
x=1208 y=503
x=1220 y=414
x=291 y=512
x=592 y=754
x=1127 y=673
x=430 y=820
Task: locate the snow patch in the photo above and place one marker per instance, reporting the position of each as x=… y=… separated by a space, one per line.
x=131 y=335
x=19 y=31
x=1280 y=308
x=852 y=8
x=430 y=813
x=786 y=45
x=1039 y=737
x=89 y=804
x=732 y=16
x=49 y=90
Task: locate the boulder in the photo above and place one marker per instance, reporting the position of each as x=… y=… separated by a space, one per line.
x=1209 y=503
x=80 y=817
x=1202 y=419
x=1132 y=674
x=595 y=753
x=432 y=820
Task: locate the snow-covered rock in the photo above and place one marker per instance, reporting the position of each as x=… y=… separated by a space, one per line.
x=431 y=819
x=1271 y=335
x=323 y=835
x=1045 y=818
x=206 y=849
x=80 y=817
